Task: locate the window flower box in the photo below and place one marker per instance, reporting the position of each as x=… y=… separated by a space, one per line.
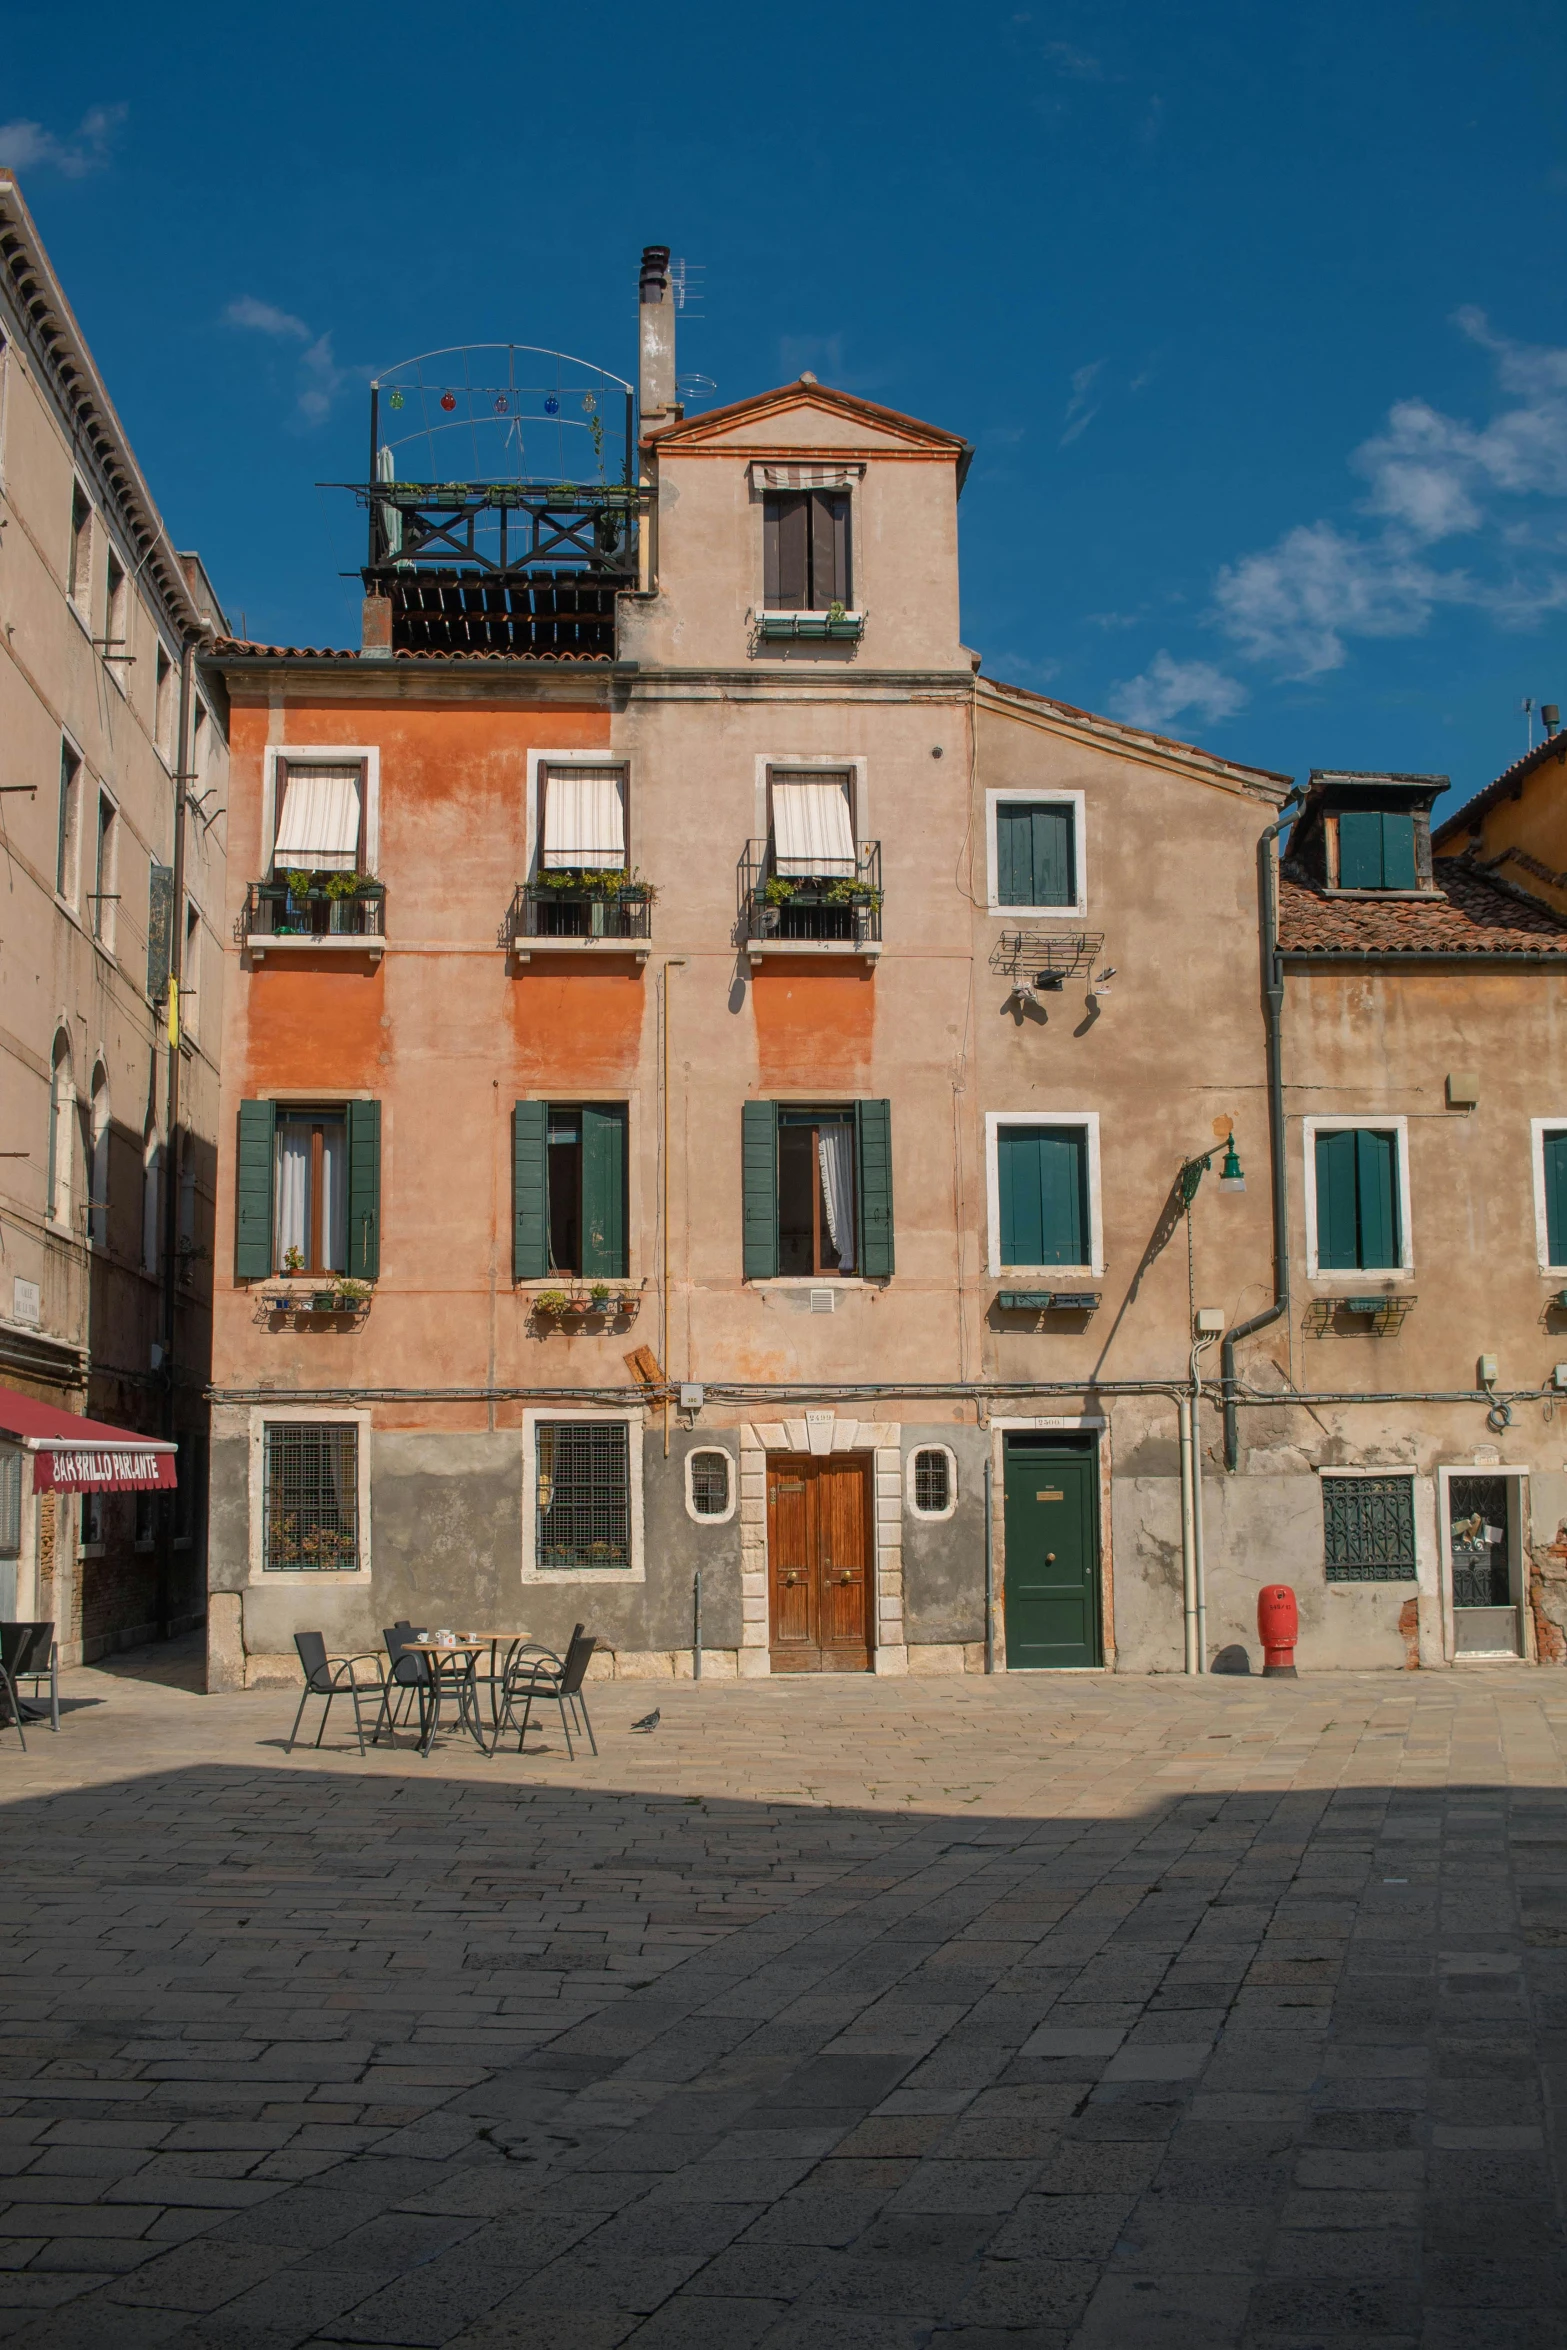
x=810 y=627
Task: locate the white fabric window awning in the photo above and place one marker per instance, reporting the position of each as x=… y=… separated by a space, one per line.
x=584 y=818
x=805 y=477
x=813 y=825
x=318 y=823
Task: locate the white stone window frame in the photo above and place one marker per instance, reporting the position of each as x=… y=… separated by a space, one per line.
x=1519 y=1529
x=1012 y=794
x=1089 y=1121
x=69 y=897
x=601 y=1578
x=538 y=762
x=1539 y=1128
x=1371 y=1122
x=320 y=755
x=260 y=1577
x=82 y=601
x=104 y=928
x=732 y=1467
x=911 y=1485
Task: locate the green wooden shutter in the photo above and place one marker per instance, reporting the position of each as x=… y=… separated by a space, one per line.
x=1554 y=1147
x=1055 y=874
x=530 y=1191
x=364 y=1190
x=160 y=924
x=1398 y=849
x=253 y=1191
x=1338 y=1223
x=1014 y=855
x=604 y=1190
x=1035 y=861
x=1376 y=1182
x=873 y=1189
x=1042 y=1176
x=1360 y=848
x=759 y=1189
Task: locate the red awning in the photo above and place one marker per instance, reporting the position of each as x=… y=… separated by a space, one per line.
x=73 y=1455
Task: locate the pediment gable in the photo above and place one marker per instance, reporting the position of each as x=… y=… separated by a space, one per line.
x=802 y=417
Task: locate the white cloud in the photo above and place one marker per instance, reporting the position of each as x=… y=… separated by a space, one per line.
x=265 y=318
x=319 y=379
x=27 y=146
x=1430 y=477
x=1082 y=408
x=1168 y=688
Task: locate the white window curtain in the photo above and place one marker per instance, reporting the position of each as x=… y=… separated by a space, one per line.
x=835 y=1150
x=584 y=818
x=291 y=1222
x=813 y=829
x=318 y=823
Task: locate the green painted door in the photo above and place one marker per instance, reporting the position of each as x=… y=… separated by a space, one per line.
x=1052 y=1554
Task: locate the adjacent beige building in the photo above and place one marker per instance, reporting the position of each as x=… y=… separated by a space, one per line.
x=106 y=1202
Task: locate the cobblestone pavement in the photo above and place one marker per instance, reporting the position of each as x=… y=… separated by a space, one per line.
x=1032 y=2012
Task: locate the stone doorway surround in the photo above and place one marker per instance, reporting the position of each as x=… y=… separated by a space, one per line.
x=822 y=1432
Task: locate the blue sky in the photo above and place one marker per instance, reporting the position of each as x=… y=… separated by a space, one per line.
x=1256 y=315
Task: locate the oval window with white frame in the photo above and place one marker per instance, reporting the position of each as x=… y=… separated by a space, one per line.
x=931 y=1481
x=710 y=1485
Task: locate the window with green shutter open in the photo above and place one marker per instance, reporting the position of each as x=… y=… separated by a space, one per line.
x=569 y=1190
x=1359 y=1215
x=816 y=1189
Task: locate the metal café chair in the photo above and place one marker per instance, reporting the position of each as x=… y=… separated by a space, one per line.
x=539 y=1674
x=31 y=1653
x=332 y=1677
x=408 y=1679
x=10 y=1703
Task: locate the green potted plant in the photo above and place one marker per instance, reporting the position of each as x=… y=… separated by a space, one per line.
x=549 y=1303
x=599 y=1294
x=349 y=1294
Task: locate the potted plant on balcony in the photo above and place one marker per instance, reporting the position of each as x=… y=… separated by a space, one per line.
x=348 y=1295
x=550 y=1304
x=340 y=889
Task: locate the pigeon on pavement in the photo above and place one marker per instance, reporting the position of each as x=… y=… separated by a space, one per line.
x=648 y=1721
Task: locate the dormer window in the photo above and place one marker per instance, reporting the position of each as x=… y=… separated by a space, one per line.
x=1361 y=834
x=1376 y=848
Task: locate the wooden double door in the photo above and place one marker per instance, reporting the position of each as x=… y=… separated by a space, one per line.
x=819 y=1563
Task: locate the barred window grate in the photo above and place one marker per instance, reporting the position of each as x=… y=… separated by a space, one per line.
x=710 y=1483
x=310 y=1500
x=932 y=1480
x=1368 y=1527
x=584 y=1495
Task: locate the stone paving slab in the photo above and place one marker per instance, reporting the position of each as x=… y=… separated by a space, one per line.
x=1084 y=2013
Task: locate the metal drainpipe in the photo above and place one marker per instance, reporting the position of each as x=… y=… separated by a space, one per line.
x=171 y=1203
x=1273 y=1012
x=1183 y=1410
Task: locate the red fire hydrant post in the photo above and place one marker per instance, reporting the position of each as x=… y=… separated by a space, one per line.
x=1278 y=1627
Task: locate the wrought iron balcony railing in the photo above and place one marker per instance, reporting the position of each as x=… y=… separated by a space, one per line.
x=828 y=906
x=275 y=910
x=569 y=906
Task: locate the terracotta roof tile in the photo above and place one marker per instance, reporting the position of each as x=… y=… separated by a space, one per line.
x=1477 y=919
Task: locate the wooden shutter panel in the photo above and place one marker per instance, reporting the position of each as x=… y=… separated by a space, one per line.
x=160 y=925
x=1338 y=1224
x=1042 y=1179
x=364 y=1190
x=1555 y=1147
x=1014 y=855
x=604 y=1191
x=253 y=1191
x=873 y=1188
x=1055 y=867
x=530 y=1191
x=1360 y=848
x=759 y=1189
x=829 y=523
x=1398 y=849
x=1376 y=1182
x=1017 y=1181
x=792 y=539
